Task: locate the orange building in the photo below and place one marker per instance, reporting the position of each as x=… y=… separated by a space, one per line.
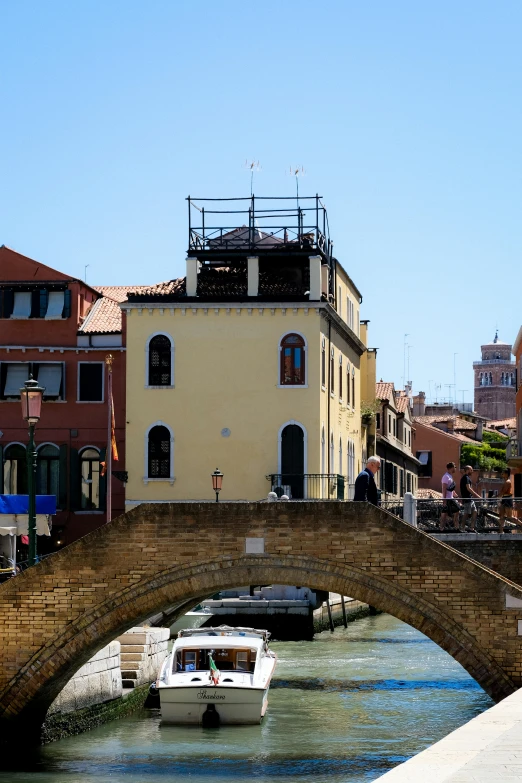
x=59 y=329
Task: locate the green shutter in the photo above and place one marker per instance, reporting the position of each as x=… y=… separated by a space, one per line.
x=74 y=481
x=66 y=313
x=62 y=483
x=44 y=301
x=103 y=482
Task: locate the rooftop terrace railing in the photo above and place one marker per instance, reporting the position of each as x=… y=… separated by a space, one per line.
x=258 y=222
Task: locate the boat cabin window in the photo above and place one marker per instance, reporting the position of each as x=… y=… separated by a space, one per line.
x=226 y=659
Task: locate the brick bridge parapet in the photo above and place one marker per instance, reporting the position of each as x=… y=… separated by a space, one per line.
x=56 y=615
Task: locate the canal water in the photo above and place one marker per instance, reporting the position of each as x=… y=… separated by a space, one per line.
x=343 y=708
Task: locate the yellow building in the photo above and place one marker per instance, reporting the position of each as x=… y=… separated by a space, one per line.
x=250 y=364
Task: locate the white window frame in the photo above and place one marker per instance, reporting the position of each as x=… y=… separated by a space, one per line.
x=167 y=479
x=280 y=441
x=163 y=333
x=90 y=402
x=88 y=511
x=290 y=386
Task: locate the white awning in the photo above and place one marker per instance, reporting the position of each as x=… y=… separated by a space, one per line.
x=18 y=524
x=55 y=305
x=50 y=377
x=17 y=374
x=22 y=304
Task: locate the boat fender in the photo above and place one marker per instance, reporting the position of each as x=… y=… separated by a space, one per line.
x=210 y=718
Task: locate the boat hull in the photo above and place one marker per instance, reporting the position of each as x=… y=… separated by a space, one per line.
x=235 y=705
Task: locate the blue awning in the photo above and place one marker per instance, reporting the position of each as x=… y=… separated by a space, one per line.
x=19 y=504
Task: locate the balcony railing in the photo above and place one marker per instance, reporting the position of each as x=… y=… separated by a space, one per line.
x=311 y=486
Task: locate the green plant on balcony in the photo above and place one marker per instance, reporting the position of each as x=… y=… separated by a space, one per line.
x=368 y=410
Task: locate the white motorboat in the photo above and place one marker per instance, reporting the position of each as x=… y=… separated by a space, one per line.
x=216 y=675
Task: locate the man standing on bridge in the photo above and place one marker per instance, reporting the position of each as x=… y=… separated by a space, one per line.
x=365 y=486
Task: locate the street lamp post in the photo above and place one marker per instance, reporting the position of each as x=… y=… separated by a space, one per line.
x=31 y=396
x=217 y=482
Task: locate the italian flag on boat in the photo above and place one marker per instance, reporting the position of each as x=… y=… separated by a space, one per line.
x=214 y=671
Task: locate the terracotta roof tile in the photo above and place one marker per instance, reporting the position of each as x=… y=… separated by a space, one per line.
x=117 y=292
x=506 y=423
x=428 y=494
x=458 y=423
x=384 y=391
x=221 y=282
x=103 y=317
x=402 y=403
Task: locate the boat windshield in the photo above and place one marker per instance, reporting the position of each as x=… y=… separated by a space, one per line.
x=227 y=659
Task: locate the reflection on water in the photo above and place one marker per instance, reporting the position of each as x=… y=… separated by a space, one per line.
x=343 y=708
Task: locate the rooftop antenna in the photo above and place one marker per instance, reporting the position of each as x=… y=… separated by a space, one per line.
x=437 y=387
x=463 y=391
x=429 y=389
x=455 y=374
x=297 y=171
x=252 y=165
x=85 y=272
x=409 y=349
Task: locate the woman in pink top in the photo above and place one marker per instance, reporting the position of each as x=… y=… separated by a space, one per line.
x=449 y=505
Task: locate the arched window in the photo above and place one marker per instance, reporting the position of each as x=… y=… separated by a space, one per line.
x=348 y=383
x=512 y=379
x=323 y=364
x=160 y=361
x=341 y=456
x=292 y=370
x=159 y=452
x=15 y=470
x=90 y=479
x=332 y=372
x=490 y=379
x=340 y=376
x=332 y=453
x=502 y=379
x=353 y=387
x=48 y=470
x=480 y=379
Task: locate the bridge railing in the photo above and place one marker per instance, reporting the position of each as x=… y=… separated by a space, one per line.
x=430 y=510
x=310 y=486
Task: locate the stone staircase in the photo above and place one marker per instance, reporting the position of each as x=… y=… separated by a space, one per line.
x=143 y=650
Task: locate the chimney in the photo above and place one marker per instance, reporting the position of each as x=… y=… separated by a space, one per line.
x=192 y=276
x=479 y=432
x=253 y=275
x=419 y=404
x=315 y=279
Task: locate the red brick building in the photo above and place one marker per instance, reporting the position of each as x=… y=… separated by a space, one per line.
x=59 y=329
x=515 y=446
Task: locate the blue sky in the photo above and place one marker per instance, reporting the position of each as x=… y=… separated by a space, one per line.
x=406 y=116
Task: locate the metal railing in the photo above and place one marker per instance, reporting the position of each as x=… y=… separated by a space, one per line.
x=310 y=486
x=429 y=513
x=258 y=222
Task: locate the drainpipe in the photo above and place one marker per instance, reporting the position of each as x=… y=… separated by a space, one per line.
x=329 y=390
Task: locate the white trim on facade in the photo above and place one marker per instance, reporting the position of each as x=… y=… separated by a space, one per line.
x=170 y=479
x=163 y=333
x=305 y=444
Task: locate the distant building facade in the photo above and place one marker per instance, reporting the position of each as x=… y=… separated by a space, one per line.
x=394 y=440
x=495 y=381
x=59 y=329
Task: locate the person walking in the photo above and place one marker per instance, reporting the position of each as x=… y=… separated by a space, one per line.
x=365 y=486
x=467 y=494
x=506 y=503
x=449 y=505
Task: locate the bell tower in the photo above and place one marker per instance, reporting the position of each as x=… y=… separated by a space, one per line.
x=495 y=382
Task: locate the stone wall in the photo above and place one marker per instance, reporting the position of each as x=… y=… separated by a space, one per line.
x=96 y=682
x=502 y=554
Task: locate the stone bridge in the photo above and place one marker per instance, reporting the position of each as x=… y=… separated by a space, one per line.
x=56 y=615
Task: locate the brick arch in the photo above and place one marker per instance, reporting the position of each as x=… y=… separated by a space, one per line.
x=59 y=613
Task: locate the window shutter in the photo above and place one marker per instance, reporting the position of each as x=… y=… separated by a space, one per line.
x=62 y=483
x=103 y=482
x=389 y=477
x=1 y=469
x=8 y=302
x=74 y=481
x=44 y=301
x=67 y=304
x=35 y=304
